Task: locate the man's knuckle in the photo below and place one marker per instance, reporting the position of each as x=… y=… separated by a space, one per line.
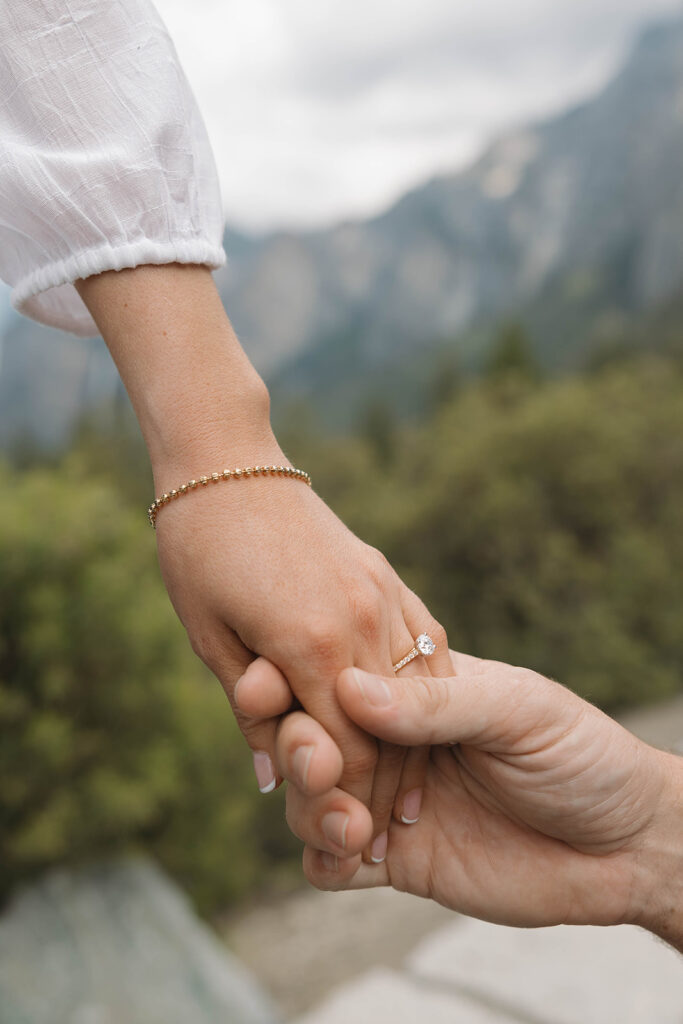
x=432 y=696
x=524 y=679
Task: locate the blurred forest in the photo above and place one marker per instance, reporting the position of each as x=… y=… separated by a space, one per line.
x=539 y=519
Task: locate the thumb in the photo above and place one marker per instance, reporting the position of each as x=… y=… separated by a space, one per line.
x=487 y=706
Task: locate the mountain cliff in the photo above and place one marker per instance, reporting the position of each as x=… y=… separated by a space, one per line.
x=585 y=206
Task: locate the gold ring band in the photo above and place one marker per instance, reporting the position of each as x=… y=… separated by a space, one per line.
x=424 y=645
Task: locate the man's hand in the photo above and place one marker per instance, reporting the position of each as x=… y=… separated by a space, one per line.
x=545 y=812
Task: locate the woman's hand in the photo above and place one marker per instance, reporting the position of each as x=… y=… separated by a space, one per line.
x=545 y=812
x=257 y=566
x=263 y=565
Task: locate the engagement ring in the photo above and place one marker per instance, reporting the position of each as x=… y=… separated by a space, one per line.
x=424 y=645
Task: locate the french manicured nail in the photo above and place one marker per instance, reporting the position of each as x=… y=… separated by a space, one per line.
x=301 y=762
x=330 y=861
x=378 y=850
x=411 y=807
x=373 y=689
x=265 y=776
x=334 y=825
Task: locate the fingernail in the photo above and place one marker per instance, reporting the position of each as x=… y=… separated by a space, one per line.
x=378 y=851
x=334 y=825
x=373 y=689
x=301 y=762
x=330 y=861
x=411 y=807
x=265 y=776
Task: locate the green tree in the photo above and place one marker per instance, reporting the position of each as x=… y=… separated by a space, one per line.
x=113 y=735
x=546 y=531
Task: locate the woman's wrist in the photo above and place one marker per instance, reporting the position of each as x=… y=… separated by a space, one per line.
x=190 y=433
x=660 y=861
x=198 y=399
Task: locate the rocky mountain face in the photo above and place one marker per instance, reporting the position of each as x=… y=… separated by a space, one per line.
x=588 y=203
x=567 y=223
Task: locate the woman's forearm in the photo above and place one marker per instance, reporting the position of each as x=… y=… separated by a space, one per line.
x=198 y=399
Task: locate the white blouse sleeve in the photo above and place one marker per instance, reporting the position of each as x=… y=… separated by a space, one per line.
x=104 y=158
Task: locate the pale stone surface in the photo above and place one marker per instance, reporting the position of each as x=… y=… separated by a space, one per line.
x=118 y=944
x=387 y=997
x=302 y=947
x=557 y=975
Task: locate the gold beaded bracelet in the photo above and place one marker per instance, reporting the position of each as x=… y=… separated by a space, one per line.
x=227 y=474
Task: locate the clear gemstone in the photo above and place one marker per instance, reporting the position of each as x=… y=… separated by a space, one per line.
x=425 y=645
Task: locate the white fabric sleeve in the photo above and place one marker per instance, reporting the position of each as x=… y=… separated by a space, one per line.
x=104 y=158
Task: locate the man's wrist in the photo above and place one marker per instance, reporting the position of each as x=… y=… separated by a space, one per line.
x=660 y=864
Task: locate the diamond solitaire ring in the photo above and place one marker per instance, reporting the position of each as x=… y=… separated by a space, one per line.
x=424 y=645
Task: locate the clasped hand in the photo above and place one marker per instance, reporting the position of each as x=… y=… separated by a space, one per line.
x=265 y=566
x=545 y=810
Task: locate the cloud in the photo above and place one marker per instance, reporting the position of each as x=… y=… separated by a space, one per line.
x=324 y=110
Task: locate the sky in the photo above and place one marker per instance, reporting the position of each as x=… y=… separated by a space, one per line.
x=323 y=110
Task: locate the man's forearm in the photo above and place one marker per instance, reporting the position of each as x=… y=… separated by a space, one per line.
x=197 y=397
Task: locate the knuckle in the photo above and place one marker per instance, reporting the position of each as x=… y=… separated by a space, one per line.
x=358 y=767
x=314 y=874
x=204 y=646
x=367 y=615
x=293 y=823
x=532 y=683
x=255 y=735
x=391 y=760
x=382 y=812
x=379 y=567
x=438 y=635
x=524 y=677
x=432 y=695
x=322 y=641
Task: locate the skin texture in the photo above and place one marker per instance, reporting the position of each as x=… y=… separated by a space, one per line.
x=546 y=811
x=260 y=566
